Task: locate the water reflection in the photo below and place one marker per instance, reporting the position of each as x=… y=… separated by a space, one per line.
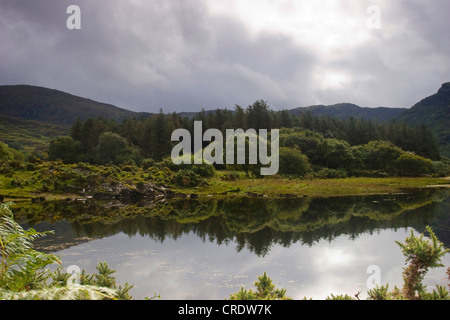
x=253 y=223
x=209 y=248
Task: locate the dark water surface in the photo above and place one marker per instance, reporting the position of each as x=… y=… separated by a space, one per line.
x=208 y=248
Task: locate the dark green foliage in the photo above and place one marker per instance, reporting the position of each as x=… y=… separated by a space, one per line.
x=188 y=175
x=410 y=164
x=66 y=149
x=338 y=154
x=293 y=162
x=348 y=147
x=113 y=148
x=381 y=155
x=186 y=178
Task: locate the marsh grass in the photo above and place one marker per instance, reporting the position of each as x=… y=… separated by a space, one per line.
x=275 y=186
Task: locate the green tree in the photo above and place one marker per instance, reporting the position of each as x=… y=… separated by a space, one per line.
x=66 y=149
x=338 y=154
x=111 y=148
x=75 y=131
x=308 y=142
x=160 y=137
x=258 y=116
x=382 y=155
x=292 y=161
x=410 y=164
x=239 y=118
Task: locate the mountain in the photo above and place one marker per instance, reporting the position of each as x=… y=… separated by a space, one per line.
x=56 y=107
x=43 y=105
x=347 y=110
x=433 y=112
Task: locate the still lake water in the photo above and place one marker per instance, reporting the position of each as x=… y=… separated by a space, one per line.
x=210 y=247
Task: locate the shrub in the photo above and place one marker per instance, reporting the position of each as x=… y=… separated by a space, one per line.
x=441 y=168
x=64 y=148
x=326 y=173
x=265 y=290
x=147 y=163
x=422 y=255
x=186 y=178
x=292 y=161
x=410 y=164
x=339 y=297
x=31 y=167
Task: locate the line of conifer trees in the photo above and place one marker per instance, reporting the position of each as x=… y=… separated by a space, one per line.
x=326 y=142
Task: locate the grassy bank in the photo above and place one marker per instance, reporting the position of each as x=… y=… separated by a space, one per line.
x=272 y=186
x=54 y=180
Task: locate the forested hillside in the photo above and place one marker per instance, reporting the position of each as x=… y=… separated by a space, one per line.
x=433 y=112
x=322 y=145
x=326 y=141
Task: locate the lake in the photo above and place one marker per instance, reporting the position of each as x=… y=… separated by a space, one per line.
x=209 y=247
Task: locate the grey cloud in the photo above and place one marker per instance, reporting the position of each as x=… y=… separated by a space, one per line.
x=146 y=55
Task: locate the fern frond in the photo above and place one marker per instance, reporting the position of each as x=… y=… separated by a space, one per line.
x=76 y=292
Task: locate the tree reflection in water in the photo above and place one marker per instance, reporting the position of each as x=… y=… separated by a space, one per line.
x=253 y=223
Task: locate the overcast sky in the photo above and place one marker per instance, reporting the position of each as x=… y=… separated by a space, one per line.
x=184 y=55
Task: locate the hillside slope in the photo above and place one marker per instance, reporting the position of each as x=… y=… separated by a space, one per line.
x=347 y=110
x=29 y=134
x=53 y=106
x=433 y=112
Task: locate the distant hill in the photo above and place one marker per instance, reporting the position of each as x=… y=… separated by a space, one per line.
x=53 y=106
x=60 y=109
x=433 y=112
x=347 y=110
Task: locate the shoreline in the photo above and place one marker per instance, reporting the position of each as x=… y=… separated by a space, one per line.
x=273 y=188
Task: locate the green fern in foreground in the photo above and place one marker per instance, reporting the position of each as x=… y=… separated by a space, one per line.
x=24 y=274
x=422 y=255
